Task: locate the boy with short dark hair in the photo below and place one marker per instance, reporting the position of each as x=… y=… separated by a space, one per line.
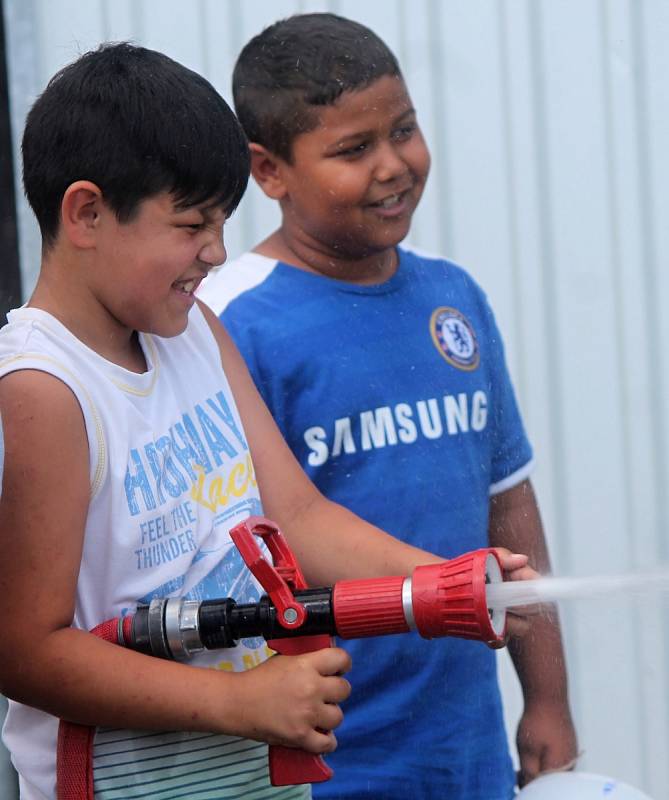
x=128 y=425
x=385 y=372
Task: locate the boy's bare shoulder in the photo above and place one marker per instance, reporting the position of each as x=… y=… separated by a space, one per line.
x=41 y=420
x=34 y=389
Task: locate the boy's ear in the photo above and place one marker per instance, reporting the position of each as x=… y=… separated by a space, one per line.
x=267 y=170
x=80 y=213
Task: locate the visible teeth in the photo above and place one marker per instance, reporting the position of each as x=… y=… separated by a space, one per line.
x=390 y=201
x=188 y=286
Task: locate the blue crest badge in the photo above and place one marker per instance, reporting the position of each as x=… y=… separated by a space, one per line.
x=454 y=338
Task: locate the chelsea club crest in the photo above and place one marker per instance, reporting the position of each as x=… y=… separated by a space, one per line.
x=454 y=338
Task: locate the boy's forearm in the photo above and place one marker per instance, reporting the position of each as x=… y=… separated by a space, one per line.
x=291 y=701
x=538 y=657
x=546 y=737
x=333 y=544
x=94 y=682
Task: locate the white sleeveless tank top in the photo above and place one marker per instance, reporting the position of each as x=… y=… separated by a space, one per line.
x=170 y=473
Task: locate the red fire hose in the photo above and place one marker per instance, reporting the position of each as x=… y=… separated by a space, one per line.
x=445 y=599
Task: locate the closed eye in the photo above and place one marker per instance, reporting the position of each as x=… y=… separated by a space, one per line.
x=353 y=150
x=405 y=132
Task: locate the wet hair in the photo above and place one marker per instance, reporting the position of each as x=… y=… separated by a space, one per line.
x=135 y=123
x=290 y=70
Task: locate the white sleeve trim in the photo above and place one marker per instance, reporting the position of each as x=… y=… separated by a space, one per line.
x=512 y=480
x=228 y=281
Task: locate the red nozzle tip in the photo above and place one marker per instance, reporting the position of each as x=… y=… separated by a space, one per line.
x=449 y=599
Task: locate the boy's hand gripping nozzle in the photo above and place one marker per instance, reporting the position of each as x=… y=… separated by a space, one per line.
x=287 y=765
x=444 y=599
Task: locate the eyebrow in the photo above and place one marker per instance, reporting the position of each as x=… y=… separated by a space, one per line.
x=410 y=112
x=207 y=212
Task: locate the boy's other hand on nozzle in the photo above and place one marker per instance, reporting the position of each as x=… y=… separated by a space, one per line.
x=517 y=568
x=293 y=700
x=516 y=565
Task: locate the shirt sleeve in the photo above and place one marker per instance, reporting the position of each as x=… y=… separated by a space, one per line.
x=239 y=319
x=512 y=454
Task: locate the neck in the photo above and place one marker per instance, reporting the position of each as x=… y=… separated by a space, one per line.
x=310 y=256
x=73 y=306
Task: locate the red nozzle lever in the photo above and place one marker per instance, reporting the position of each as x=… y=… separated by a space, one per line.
x=280 y=580
x=287 y=765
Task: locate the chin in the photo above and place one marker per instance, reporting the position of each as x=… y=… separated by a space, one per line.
x=395 y=234
x=168 y=330
x=388 y=240
x=390 y=243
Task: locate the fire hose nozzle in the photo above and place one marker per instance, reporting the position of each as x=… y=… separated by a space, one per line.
x=445 y=599
x=449 y=599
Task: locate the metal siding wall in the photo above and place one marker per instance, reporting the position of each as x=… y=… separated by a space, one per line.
x=548 y=125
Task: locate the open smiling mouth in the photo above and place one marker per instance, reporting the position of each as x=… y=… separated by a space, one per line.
x=392 y=201
x=186 y=287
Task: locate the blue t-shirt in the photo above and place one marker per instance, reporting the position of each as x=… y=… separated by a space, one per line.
x=397 y=401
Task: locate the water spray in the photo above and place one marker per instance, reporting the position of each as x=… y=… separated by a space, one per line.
x=552 y=589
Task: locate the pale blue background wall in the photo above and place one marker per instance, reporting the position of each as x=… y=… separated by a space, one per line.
x=548 y=122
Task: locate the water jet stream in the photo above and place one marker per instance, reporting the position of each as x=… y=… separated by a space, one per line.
x=552 y=589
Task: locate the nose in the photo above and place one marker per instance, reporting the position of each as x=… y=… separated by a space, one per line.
x=390 y=164
x=213 y=251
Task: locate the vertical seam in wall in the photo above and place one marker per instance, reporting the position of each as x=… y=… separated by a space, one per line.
x=37 y=25
x=548 y=267
x=25 y=70
x=650 y=261
x=621 y=349
x=138 y=21
x=446 y=243
x=106 y=21
x=614 y=222
x=511 y=193
x=204 y=42
x=400 y=12
x=10 y=283
x=562 y=541
x=236 y=35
